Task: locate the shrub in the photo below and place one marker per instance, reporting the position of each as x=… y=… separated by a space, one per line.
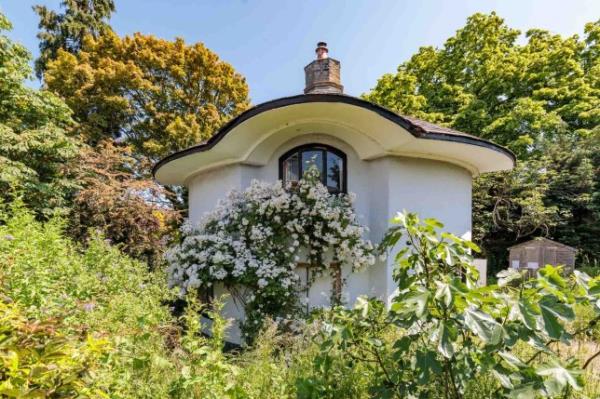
x=447 y=332
x=91 y=322
x=129 y=210
x=36 y=360
x=255 y=239
x=95 y=292
x=117 y=337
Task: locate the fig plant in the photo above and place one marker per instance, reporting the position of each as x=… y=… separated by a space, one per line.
x=443 y=331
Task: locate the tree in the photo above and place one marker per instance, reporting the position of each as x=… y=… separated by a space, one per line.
x=34 y=145
x=160 y=96
x=132 y=213
x=533 y=98
x=555 y=194
x=483 y=82
x=66 y=31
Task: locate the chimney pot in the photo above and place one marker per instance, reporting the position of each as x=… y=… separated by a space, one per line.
x=323 y=74
x=321 y=50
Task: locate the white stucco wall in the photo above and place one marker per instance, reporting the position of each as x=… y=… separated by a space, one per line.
x=428 y=188
x=206 y=189
x=383 y=187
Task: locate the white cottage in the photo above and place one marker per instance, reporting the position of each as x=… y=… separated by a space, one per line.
x=391 y=162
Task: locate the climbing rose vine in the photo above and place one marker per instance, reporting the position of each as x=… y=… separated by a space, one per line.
x=254 y=239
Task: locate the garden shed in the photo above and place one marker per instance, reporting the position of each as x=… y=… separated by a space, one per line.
x=388 y=161
x=533 y=254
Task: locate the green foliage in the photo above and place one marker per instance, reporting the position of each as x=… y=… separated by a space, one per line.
x=254 y=240
x=116 y=336
x=339 y=369
x=66 y=31
x=38 y=361
x=541 y=99
x=106 y=314
x=449 y=332
x=132 y=213
x=162 y=96
x=34 y=145
x=97 y=292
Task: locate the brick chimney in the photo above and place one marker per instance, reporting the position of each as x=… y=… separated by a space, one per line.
x=323 y=74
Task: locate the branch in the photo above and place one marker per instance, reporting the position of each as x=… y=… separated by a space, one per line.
x=452 y=381
x=587 y=362
x=382 y=366
x=576 y=333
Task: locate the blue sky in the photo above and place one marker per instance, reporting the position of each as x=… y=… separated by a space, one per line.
x=270 y=42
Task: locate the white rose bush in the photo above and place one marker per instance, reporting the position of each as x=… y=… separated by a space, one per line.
x=255 y=239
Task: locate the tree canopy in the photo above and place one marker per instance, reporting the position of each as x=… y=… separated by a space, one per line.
x=67 y=30
x=131 y=212
x=161 y=96
x=34 y=144
x=541 y=99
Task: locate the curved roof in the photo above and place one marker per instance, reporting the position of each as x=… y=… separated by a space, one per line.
x=418 y=129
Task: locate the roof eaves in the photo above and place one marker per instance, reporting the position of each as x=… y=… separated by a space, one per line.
x=416 y=127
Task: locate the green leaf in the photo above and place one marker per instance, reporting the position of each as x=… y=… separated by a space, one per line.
x=582 y=279
x=525 y=391
x=458 y=286
x=400 y=219
x=512 y=360
x=552 y=327
x=433 y=223
x=415 y=302
x=445 y=346
x=559 y=309
x=526 y=314
x=595 y=290
x=552 y=275
x=483 y=325
x=505 y=277
x=443 y=294
x=472 y=246
x=557 y=378
x=503 y=378
x=403 y=344
x=426 y=365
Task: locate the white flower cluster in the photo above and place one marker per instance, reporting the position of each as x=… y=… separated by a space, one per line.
x=256 y=237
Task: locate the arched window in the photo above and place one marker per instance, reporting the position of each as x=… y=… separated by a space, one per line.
x=330 y=161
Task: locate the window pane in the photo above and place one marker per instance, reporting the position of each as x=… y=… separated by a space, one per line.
x=310 y=158
x=532 y=265
x=291 y=168
x=334 y=171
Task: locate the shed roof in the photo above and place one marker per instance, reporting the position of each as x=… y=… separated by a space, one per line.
x=543 y=240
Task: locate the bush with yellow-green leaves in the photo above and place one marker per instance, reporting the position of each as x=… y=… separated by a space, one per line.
x=38 y=361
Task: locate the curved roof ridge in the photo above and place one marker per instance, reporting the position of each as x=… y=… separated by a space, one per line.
x=417 y=127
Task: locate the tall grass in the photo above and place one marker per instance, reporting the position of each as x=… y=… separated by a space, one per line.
x=118 y=338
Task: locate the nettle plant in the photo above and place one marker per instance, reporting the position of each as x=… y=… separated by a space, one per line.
x=254 y=240
x=445 y=336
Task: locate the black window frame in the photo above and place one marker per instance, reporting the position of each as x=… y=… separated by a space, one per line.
x=324 y=148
